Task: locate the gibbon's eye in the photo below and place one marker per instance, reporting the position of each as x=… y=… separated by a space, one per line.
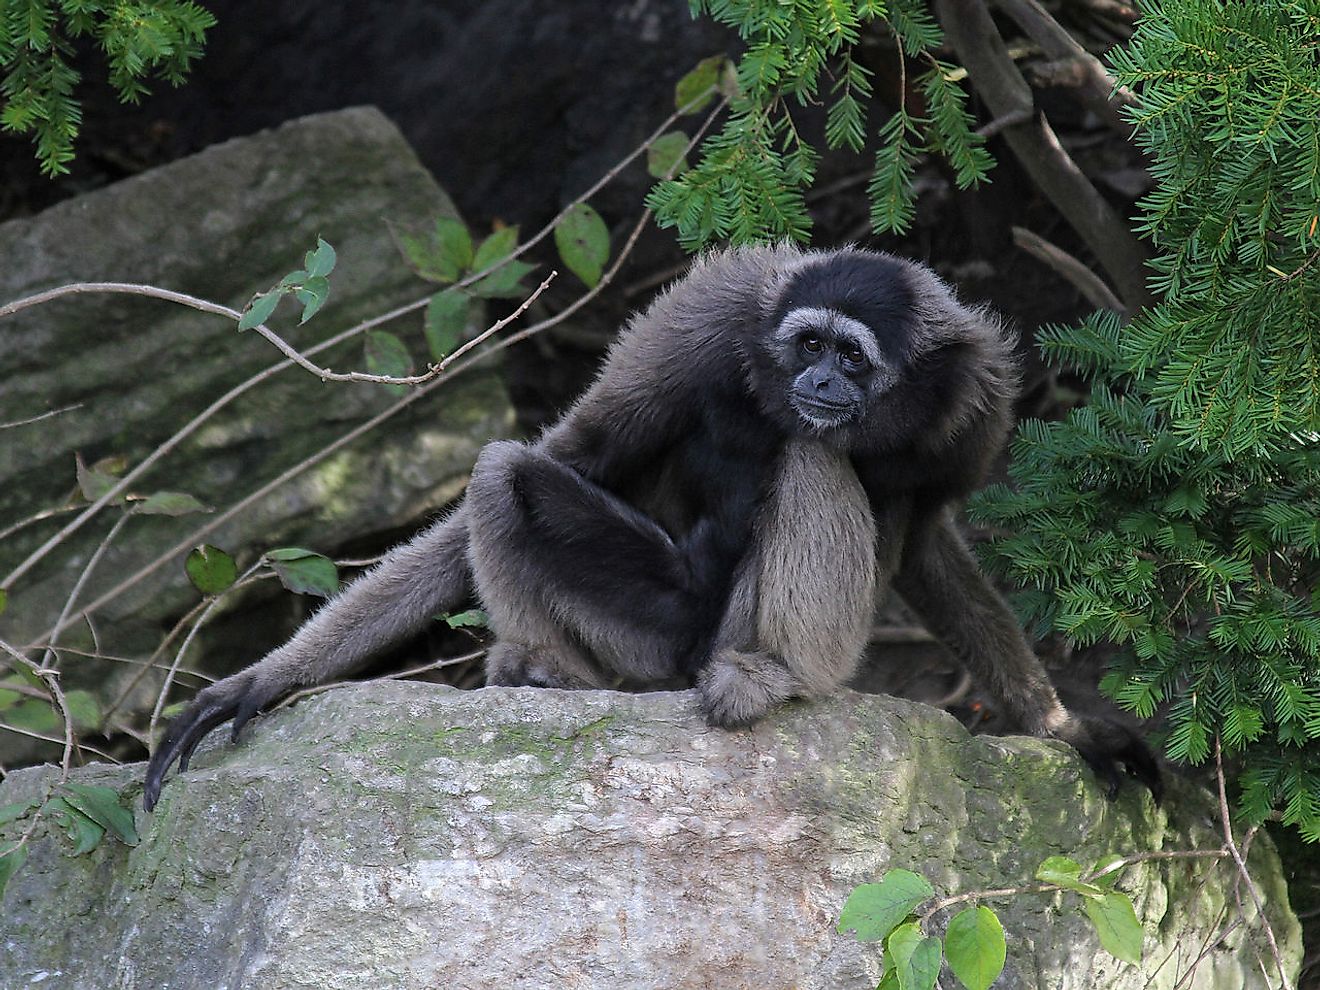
x=812 y=344
x=854 y=357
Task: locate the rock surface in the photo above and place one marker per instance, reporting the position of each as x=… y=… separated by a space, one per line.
x=222 y=224
x=401 y=835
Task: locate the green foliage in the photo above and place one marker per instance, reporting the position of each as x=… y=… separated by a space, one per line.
x=1177 y=515
x=304 y=572
x=141 y=40
x=310 y=285
x=445 y=253
x=583 y=241
x=974 y=943
x=85 y=813
x=749 y=183
x=210 y=569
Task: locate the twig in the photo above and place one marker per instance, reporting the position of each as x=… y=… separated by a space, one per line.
x=51 y=679
x=494 y=328
x=1226 y=821
x=1085 y=281
x=211 y=606
x=470 y=361
x=1042 y=887
x=1096 y=88
x=396 y=675
x=196 y=422
x=36 y=518
x=52 y=638
x=976 y=40
x=38 y=419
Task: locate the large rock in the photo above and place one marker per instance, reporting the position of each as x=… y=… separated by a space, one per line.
x=222 y=224
x=409 y=836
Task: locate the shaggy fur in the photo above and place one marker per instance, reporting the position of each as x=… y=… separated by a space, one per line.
x=776 y=439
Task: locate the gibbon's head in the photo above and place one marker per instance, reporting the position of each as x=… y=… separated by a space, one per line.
x=862 y=348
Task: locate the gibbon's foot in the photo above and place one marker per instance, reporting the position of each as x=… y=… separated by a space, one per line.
x=515 y=665
x=238 y=697
x=738 y=688
x=1106 y=745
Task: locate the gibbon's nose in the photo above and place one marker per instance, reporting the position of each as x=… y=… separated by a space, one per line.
x=822 y=381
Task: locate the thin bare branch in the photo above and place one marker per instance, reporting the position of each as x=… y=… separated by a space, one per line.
x=976 y=40
x=38 y=419
x=469 y=361
x=1085 y=281
x=52 y=638
x=206 y=414
x=1225 y=820
x=1096 y=88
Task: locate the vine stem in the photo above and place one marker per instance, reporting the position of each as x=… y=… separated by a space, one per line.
x=469 y=361
x=1115 y=865
x=197 y=421
x=1225 y=820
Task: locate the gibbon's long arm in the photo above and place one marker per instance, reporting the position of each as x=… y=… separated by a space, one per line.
x=940 y=579
x=413 y=583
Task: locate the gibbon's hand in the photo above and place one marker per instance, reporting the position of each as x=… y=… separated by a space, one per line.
x=238 y=697
x=1106 y=746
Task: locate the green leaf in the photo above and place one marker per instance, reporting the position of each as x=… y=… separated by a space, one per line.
x=916 y=957
x=92 y=481
x=495 y=247
x=210 y=569
x=386 y=355
x=169 y=504
x=259 y=309
x=666 y=155
x=706 y=76
x=472 y=618
x=84 y=709
x=974 y=945
x=1102 y=876
x=10 y=863
x=873 y=910
x=503 y=283
x=102 y=805
x=312 y=294
x=583 y=241
x=321 y=261
x=4 y=600
x=446 y=320
x=1066 y=873
x=83 y=831
x=1116 y=923
x=19 y=809
x=454 y=243
x=304 y=571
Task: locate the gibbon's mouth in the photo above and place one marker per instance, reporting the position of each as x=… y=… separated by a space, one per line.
x=822 y=414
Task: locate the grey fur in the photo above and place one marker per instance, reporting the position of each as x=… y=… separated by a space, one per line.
x=692 y=516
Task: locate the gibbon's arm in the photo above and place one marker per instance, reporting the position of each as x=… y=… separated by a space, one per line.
x=940 y=579
x=413 y=583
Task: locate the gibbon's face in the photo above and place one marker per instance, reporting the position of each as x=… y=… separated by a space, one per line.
x=835 y=365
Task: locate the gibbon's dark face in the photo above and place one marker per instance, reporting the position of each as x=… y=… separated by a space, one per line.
x=838 y=334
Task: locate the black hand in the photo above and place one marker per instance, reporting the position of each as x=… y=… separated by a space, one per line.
x=1106 y=745
x=237 y=698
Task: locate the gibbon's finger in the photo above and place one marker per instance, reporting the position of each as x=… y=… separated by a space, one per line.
x=1105 y=746
x=233 y=698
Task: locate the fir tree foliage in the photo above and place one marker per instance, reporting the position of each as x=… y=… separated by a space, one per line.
x=140 y=39
x=1176 y=516
x=749 y=183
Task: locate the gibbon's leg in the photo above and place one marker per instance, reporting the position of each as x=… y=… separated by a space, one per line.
x=800 y=611
x=940 y=579
x=580 y=587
